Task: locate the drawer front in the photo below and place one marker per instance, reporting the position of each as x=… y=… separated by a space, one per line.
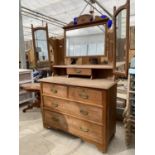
x=86 y=129
x=54 y=90
x=79 y=110
x=53 y=103
x=74 y=126
x=79 y=71
x=87 y=95
x=85 y=111
x=56 y=120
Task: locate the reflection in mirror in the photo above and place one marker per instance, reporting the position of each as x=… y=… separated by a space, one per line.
x=89 y=41
x=121 y=40
x=41 y=45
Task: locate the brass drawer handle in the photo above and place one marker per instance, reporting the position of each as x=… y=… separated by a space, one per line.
x=55 y=119
x=54 y=90
x=84 y=129
x=84 y=112
x=54 y=104
x=84 y=96
x=78 y=71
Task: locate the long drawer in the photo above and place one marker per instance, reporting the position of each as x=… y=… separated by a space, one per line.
x=54 y=90
x=74 y=126
x=87 y=95
x=84 y=111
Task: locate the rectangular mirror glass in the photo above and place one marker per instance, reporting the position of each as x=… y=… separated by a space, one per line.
x=41 y=45
x=121 y=41
x=88 y=41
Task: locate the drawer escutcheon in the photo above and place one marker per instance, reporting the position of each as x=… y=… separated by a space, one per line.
x=55 y=119
x=78 y=71
x=84 y=129
x=54 y=104
x=54 y=90
x=83 y=96
x=84 y=112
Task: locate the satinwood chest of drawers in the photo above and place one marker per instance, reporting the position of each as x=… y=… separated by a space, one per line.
x=83 y=107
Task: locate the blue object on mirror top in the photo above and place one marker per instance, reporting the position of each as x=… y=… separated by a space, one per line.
x=103 y=16
x=109 y=23
x=75 y=20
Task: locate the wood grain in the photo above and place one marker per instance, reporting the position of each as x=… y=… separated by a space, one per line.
x=55 y=90
x=86 y=95
x=96 y=83
x=73 y=108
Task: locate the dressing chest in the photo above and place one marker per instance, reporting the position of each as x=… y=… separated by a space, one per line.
x=82 y=107
x=80 y=97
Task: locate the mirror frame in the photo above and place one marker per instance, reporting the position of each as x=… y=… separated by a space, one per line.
x=84 y=21
x=45 y=63
x=116 y=12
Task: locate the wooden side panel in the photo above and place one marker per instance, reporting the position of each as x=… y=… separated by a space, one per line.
x=111 y=112
x=61 y=51
x=110 y=46
x=58 y=49
x=53 y=46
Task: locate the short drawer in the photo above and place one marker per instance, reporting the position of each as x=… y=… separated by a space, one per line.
x=87 y=95
x=56 y=120
x=83 y=111
x=53 y=103
x=79 y=71
x=54 y=90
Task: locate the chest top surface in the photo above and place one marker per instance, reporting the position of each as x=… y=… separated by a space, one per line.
x=95 y=83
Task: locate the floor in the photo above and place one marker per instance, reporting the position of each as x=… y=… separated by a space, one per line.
x=36 y=140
